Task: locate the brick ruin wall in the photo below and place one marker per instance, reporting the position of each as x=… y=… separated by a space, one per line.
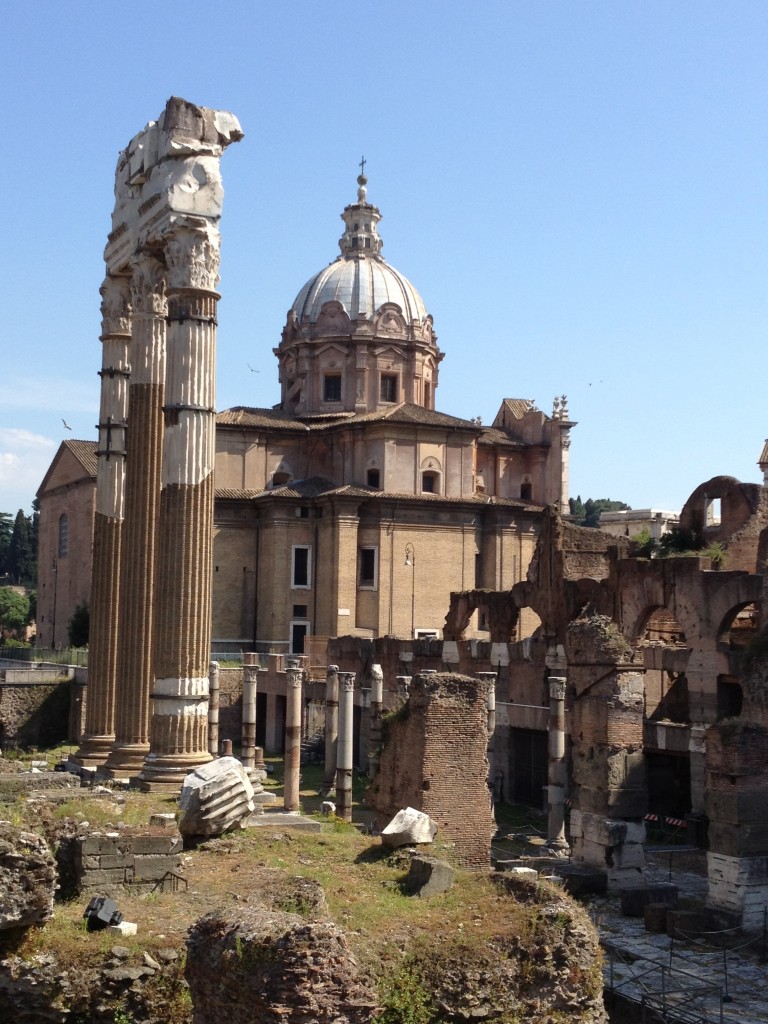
x=434 y=758
x=108 y=862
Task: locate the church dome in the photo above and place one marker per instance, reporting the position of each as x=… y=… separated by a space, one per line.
x=358 y=337
x=359 y=279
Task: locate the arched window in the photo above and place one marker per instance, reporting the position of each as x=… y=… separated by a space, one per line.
x=526 y=490
x=63 y=535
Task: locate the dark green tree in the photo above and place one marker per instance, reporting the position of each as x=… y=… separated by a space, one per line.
x=21 y=554
x=78 y=626
x=587 y=513
x=14 y=610
x=6 y=530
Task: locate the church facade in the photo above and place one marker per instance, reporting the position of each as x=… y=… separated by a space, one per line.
x=354 y=507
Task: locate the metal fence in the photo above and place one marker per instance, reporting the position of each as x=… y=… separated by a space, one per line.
x=51 y=656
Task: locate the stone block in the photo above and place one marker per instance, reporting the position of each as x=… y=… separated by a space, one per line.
x=734 y=840
x=152 y=869
x=624 y=878
x=738 y=870
x=428 y=876
x=582 y=881
x=163 y=820
x=408 y=827
x=634 y=900
x=527 y=874
x=628 y=855
x=125 y=928
x=655 y=916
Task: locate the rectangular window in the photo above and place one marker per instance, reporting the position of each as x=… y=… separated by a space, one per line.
x=300 y=570
x=332 y=387
x=374 y=478
x=299 y=631
x=388 y=387
x=368 y=568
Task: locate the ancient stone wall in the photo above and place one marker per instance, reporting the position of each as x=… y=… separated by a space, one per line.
x=434 y=759
x=108 y=861
x=34 y=714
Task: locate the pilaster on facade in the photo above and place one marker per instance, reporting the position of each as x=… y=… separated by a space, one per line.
x=108 y=523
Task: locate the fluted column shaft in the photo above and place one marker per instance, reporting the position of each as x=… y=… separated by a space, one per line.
x=213 y=709
x=142 y=499
x=248 y=729
x=178 y=741
x=108 y=524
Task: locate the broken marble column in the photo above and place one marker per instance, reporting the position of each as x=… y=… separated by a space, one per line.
x=142 y=496
x=215 y=798
x=213 y=709
x=331 y=724
x=557 y=773
x=99 y=734
x=377 y=704
x=293 y=677
x=344 y=752
x=248 y=734
x=179 y=733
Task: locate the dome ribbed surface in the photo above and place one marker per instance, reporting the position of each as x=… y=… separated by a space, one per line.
x=362 y=284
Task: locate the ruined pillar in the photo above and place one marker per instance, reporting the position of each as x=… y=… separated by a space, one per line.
x=331 y=724
x=183 y=608
x=377 y=705
x=292 y=735
x=213 y=709
x=99 y=734
x=248 y=735
x=557 y=773
x=142 y=498
x=344 y=758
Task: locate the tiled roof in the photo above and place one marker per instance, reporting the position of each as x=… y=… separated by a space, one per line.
x=242 y=416
x=85 y=453
x=494 y=436
x=518 y=407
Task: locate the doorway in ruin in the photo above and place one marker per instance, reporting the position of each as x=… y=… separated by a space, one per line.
x=665 y=654
x=668 y=778
x=528 y=758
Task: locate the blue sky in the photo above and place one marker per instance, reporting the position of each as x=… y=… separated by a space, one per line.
x=579 y=190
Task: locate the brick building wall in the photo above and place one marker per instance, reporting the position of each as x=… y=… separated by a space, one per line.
x=434 y=759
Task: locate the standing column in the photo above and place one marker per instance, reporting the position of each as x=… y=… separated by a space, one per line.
x=142 y=498
x=213 y=709
x=377 y=704
x=490 y=681
x=344 y=757
x=292 y=735
x=99 y=734
x=557 y=767
x=182 y=641
x=248 y=731
x=331 y=724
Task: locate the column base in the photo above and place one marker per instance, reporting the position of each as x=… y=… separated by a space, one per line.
x=125 y=760
x=93 y=751
x=166 y=774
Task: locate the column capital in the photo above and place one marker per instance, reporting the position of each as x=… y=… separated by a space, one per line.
x=347 y=680
x=294 y=677
x=193 y=258
x=557 y=685
x=115 y=306
x=148 y=286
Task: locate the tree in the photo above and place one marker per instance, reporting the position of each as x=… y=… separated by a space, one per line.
x=587 y=513
x=22 y=551
x=6 y=529
x=78 y=626
x=14 y=610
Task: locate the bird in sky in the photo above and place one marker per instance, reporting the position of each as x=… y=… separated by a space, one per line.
x=251 y=368
x=67 y=426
